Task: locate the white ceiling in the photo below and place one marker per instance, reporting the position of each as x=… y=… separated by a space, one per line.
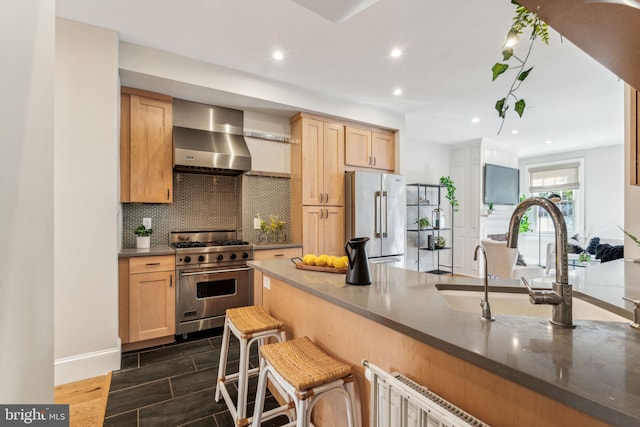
x=445 y=71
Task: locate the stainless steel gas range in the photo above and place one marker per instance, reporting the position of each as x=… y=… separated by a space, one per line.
x=213 y=275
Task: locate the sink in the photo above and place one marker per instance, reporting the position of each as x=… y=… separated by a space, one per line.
x=518 y=304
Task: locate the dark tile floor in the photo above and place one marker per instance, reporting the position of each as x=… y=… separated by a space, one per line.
x=174 y=385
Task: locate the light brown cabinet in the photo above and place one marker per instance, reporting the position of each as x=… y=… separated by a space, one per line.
x=323 y=230
x=369 y=149
x=146 y=147
x=634 y=136
x=319 y=161
x=317 y=183
x=147 y=298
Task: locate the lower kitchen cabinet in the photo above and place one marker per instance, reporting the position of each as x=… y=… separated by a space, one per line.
x=323 y=230
x=147 y=299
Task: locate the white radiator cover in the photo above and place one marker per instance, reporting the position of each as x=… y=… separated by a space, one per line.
x=397 y=401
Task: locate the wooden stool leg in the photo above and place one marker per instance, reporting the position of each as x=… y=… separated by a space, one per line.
x=223 y=358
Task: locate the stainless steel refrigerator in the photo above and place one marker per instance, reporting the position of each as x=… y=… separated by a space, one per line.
x=375 y=208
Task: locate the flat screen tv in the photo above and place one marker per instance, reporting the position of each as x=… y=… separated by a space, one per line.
x=501 y=185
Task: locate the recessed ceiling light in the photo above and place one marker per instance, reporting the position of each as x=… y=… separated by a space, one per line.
x=278 y=55
x=397 y=92
x=396 y=53
x=548 y=142
x=475 y=120
x=515 y=131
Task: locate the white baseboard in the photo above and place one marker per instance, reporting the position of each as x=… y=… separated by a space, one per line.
x=87 y=365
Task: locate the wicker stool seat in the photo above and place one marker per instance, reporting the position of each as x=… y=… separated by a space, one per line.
x=249 y=324
x=306 y=373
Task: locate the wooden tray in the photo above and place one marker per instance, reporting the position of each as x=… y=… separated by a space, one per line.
x=301 y=266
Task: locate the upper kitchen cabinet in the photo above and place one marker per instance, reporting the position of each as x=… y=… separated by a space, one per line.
x=369 y=149
x=317 y=162
x=146 y=147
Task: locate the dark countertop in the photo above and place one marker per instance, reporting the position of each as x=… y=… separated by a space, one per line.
x=594 y=368
x=153 y=250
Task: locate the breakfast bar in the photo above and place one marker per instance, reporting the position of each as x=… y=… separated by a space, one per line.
x=518 y=370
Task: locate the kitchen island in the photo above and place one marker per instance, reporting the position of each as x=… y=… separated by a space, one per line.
x=517 y=370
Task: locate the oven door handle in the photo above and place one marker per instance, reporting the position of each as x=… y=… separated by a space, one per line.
x=199 y=273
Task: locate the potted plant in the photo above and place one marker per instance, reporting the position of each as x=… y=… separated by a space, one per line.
x=423 y=223
x=440 y=242
x=143 y=239
x=490 y=210
x=451 y=192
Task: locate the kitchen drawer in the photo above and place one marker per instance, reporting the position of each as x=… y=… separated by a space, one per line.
x=286 y=253
x=148 y=264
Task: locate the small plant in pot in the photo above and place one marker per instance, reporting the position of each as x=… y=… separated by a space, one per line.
x=491 y=209
x=423 y=223
x=143 y=239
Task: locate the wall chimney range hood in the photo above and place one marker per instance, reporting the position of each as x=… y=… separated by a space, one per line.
x=208 y=139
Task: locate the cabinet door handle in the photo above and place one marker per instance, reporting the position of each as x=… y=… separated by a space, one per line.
x=275 y=255
x=171 y=280
x=321 y=213
x=167 y=194
x=320 y=197
x=152 y=264
x=326 y=213
x=374 y=161
x=326 y=196
x=369 y=160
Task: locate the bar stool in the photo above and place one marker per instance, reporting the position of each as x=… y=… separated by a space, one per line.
x=249 y=324
x=306 y=373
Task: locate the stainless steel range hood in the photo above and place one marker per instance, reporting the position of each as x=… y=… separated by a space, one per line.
x=209 y=139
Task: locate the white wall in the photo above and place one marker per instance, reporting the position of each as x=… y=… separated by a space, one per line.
x=424 y=162
x=26 y=210
x=86 y=201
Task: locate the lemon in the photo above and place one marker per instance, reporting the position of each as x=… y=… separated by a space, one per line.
x=331 y=260
x=322 y=260
x=341 y=262
x=309 y=259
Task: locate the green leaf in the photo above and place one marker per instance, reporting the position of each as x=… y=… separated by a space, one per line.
x=507 y=53
x=498 y=69
x=515 y=2
x=523 y=75
x=500 y=107
x=519 y=107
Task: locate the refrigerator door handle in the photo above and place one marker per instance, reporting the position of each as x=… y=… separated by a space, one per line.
x=376 y=214
x=386 y=216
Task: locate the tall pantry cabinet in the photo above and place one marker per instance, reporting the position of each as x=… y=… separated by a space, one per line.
x=317 y=184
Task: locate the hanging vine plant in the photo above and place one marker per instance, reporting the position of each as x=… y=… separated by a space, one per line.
x=539 y=29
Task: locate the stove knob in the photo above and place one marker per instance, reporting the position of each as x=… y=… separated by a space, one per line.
x=187 y=259
x=233 y=256
x=245 y=255
x=220 y=257
x=201 y=258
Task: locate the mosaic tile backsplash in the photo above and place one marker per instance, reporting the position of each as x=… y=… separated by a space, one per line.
x=210 y=202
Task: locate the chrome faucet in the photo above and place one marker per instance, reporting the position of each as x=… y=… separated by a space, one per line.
x=484 y=302
x=560 y=295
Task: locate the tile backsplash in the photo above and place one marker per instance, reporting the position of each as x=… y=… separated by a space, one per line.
x=209 y=202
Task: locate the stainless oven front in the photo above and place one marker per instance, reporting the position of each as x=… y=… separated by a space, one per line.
x=204 y=295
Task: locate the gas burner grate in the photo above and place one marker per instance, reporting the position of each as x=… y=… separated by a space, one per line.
x=181 y=245
x=229 y=243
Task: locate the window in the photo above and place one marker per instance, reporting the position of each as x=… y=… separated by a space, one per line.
x=561 y=179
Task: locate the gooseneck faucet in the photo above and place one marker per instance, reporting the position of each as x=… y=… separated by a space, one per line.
x=484 y=302
x=560 y=295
